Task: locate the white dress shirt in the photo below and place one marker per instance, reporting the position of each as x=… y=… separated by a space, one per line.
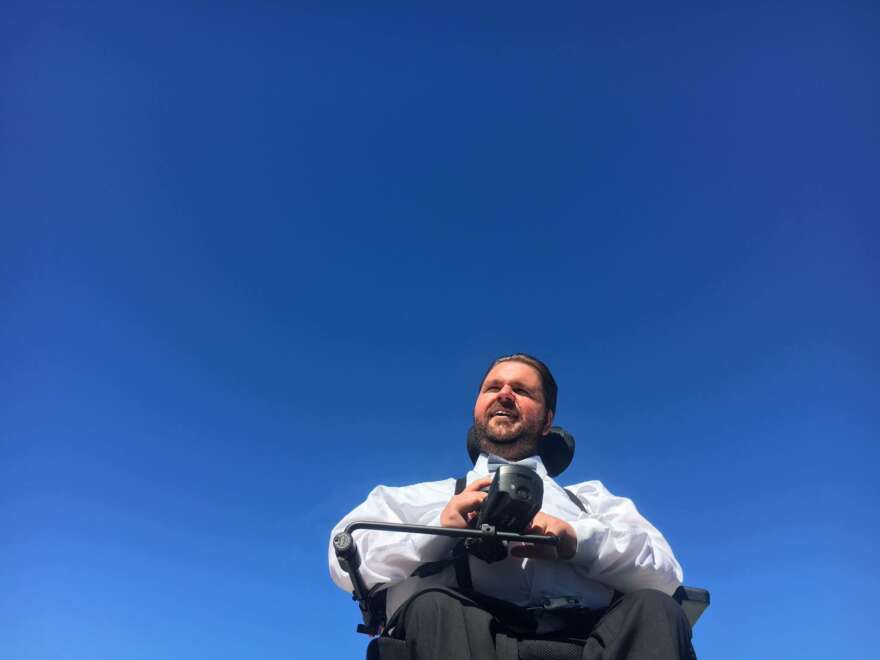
x=616 y=547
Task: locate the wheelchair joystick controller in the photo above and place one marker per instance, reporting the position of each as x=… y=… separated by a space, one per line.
x=512 y=500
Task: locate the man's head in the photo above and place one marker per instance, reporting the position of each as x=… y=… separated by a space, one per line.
x=515 y=406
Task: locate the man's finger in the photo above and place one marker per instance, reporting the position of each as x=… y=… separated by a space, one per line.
x=536 y=528
x=547 y=525
x=470 y=501
x=456 y=510
x=477 y=484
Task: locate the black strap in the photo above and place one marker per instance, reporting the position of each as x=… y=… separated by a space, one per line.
x=460 y=557
x=574 y=498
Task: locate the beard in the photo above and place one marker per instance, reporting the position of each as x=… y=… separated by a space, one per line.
x=509 y=446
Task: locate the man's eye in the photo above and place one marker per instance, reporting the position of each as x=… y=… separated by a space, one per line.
x=492 y=388
x=520 y=390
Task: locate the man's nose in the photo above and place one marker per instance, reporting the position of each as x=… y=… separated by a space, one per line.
x=506 y=394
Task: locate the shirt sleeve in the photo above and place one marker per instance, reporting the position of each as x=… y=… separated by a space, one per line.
x=390 y=557
x=618 y=547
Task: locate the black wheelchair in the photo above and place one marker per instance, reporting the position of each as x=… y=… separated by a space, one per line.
x=557 y=453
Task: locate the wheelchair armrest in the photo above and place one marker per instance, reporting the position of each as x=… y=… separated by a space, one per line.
x=693 y=601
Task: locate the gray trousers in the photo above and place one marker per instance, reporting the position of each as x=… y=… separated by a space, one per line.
x=444 y=624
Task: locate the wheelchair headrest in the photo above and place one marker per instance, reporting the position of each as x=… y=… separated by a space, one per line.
x=556 y=449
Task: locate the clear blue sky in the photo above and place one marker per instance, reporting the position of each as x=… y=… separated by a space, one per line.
x=255 y=256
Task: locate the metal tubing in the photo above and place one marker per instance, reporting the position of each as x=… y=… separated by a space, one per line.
x=452 y=531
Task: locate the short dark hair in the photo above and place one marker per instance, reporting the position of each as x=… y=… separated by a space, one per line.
x=548 y=383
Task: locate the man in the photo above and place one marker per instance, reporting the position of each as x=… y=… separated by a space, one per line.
x=605 y=586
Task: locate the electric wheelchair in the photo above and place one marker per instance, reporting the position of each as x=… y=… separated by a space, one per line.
x=557 y=451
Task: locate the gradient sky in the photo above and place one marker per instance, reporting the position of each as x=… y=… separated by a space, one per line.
x=255 y=256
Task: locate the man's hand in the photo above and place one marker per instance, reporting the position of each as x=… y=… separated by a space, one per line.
x=463 y=507
x=548 y=526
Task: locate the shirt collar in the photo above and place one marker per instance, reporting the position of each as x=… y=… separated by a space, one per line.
x=488 y=464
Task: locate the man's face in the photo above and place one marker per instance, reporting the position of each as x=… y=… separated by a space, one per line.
x=510 y=408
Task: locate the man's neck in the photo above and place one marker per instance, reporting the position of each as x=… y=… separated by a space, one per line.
x=509 y=451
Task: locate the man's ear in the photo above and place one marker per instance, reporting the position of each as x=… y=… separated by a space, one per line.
x=548 y=422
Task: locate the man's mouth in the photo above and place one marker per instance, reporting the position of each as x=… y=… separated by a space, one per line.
x=503 y=413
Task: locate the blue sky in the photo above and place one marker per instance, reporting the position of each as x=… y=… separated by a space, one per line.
x=254 y=259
